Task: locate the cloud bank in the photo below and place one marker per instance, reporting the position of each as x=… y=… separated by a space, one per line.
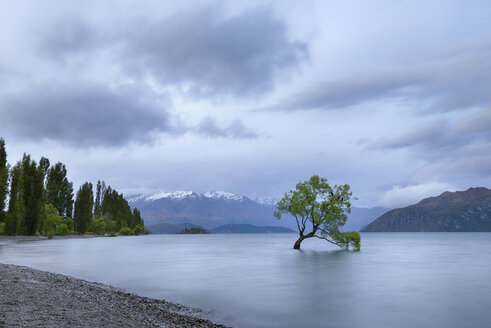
x=202 y=50
x=404 y=196
x=82 y=115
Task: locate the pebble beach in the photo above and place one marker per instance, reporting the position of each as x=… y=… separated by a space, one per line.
x=33 y=298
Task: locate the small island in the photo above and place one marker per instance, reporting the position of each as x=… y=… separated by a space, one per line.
x=193 y=231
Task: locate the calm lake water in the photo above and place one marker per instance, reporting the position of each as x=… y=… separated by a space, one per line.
x=396 y=280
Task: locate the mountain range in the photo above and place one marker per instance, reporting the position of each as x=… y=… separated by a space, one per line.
x=167 y=212
x=468 y=210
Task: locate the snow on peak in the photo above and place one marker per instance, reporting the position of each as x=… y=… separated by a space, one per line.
x=267 y=201
x=178 y=195
x=181 y=194
x=219 y=194
x=135 y=198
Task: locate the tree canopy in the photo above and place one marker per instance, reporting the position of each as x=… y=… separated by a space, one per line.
x=319 y=211
x=59 y=190
x=83 y=207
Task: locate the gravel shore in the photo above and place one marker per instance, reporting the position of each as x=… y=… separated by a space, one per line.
x=33 y=298
x=8 y=239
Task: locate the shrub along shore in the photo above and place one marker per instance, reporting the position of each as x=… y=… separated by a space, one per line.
x=33 y=298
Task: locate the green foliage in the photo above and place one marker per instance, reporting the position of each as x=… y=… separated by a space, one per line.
x=59 y=190
x=51 y=221
x=116 y=208
x=320 y=210
x=136 y=218
x=126 y=231
x=4 y=179
x=193 y=231
x=16 y=211
x=62 y=230
x=100 y=191
x=141 y=230
x=83 y=207
x=31 y=186
x=44 y=165
x=98 y=226
x=111 y=225
x=2 y=228
x=69 y=223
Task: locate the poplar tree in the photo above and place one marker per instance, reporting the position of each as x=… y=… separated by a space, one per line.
x=83 y=207
x=44 y=165
x=59 y=190
x=137 y=219
x=16 y=211
x=4 y=179
x=115 y=207
x=26 y=198
x=33 y=192
x=99 y=198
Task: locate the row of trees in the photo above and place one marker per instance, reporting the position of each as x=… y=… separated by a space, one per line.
x=39 y=199
x=108 y=212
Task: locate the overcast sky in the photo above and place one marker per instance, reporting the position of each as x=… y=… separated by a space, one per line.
x=250 y=97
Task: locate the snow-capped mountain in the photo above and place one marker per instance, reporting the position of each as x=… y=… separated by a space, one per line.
x=216 y=208
x=209 y=210
x=181 y=194
x=267 y=201
x=218 y=194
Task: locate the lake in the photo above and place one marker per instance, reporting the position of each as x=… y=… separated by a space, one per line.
x=257 y=280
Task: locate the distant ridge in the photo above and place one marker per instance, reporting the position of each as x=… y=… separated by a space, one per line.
x=181 y=194
x=468 y=210
x=249 y=228
x=208 y=210
x=168 y=228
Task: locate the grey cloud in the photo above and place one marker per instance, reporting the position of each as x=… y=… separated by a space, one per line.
x=70 y=37
x=432 y=136
x=7 y=73
x=202 y=51
x=456 y=81
x=442 y=136
x=447 y=147
x=340 y=94
x=457 y=151
x=479 y=123
x=82 y=115
x=209 y=128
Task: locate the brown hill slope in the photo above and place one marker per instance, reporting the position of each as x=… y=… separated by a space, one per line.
x=468 y=210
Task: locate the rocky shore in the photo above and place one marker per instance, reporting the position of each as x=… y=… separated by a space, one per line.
x=33 y=298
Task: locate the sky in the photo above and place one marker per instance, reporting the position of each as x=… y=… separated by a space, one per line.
x=251 y=97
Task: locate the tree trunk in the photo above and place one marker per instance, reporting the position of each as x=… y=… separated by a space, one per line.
x=298 y=242
x=302 y=237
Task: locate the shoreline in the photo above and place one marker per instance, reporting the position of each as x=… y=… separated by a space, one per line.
x=7 y=239
x=34 y=298
x=34 y=238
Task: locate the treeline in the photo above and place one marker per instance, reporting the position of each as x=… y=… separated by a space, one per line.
x=36 y=198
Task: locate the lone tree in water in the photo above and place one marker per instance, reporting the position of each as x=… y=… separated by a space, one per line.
x=320 y=210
